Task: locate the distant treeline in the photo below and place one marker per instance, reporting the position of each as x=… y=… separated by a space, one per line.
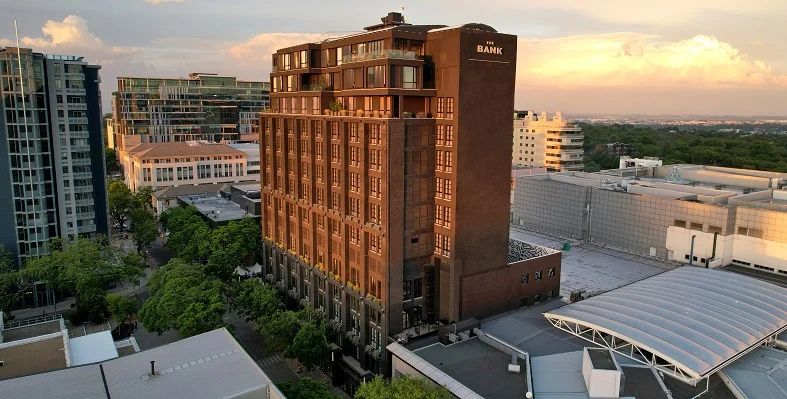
x=759 y=151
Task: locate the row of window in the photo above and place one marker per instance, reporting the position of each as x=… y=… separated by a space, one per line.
x=538 y=275
x=187 y=172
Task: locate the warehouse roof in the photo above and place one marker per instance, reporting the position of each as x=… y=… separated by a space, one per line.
x=688 y=322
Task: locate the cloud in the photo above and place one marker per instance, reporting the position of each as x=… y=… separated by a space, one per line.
x=259 y=48
x=157 y=2
x=660 y=13
x=639 y=60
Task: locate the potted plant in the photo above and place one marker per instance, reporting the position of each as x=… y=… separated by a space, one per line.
x=326 y=111
x=429 y=115
x=343 y=112
x=376 y=113
x=359 y=113
x=387 y=114
x=421 y=115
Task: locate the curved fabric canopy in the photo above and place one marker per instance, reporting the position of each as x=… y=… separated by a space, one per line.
x=688 y=322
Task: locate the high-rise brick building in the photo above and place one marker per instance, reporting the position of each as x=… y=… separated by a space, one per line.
x=386 y=175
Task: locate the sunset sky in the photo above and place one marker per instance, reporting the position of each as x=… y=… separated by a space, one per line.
x=578 y=56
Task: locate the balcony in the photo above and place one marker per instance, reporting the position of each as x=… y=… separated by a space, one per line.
x=381 y=54
x=317 y=87
x=77 y=107
x=77 y=121
x=76 y=91
x=86 y=229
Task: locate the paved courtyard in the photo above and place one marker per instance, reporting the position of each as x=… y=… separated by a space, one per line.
x=595 y=268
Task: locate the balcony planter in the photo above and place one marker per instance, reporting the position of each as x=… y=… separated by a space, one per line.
x=387 y=114
x=269 y=278
x=421 y=115
x=343 y=112
x=359 y=113
x=335 y=325
x=376 y=113
x=305 y=302
x=281 y=286
x=353 y=337
x=293 y=293
x=326 y=111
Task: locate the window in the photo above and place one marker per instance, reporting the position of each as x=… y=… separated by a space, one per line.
x=525 y=278
x=409 y=77
x=355 y=156
x=355 y=207
x=443 y=190
x=320 y=197
x=375 y=161
x=440 y=135
x=355 y=184
x=442 y=245
x=538 y=275
x=335 y=154
x=375 y=135
x=318 y=152
x=374 y=186
x=440 y=107
x=336 y=202
x=407 y=290
x=551 y=272
x=449 y=107
x=444 y=161
x=319 y=174
x=375 y=244
x=354 y=133
x=355 y=235
x=375 y=213
x=443 y=215
x=375 y=77
x=335 y=177
x=417 y=291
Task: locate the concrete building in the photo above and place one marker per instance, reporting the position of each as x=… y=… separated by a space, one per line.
x=731 y=216
x=553 y=143
x=231 y=203
x=374 y=208
x=629 y=162
x=252 y=151
x=174 y=164
x=52 y=168
x=203 y=106
x=616 y=149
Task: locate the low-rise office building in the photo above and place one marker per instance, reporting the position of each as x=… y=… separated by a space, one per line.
x=629 y=162
x=539 y=141
x=687 y=213
x=161 y=165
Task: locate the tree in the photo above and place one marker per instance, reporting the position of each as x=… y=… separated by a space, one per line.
x=121 y=201
x=13 y=281
x=120 y=307
x=85 y=268
x=309 y=346
x=279 y=330
x=403 y=387
x=183 y=298
x=305 y=388
x=145 y=230
x=232 y=245
x=143 y=198
x=111 y=158
x=183 y=223
x=256 y=300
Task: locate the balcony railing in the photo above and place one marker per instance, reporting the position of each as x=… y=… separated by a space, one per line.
x=317 y=87
x=373 y=55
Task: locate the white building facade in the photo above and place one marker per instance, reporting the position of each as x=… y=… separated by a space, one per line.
x=552 y=143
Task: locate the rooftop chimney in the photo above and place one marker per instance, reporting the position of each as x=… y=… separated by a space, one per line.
x=152 y=367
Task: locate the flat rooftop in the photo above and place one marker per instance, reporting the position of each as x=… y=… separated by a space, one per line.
x=594 y=268
x=215 y=208
x=31 y=331
x=32 y=358
x=479 y=367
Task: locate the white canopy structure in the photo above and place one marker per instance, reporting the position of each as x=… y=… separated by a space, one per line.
x=688 y=322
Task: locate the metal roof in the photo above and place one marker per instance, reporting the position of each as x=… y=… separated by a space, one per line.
x=761 y=374
x=688 y=322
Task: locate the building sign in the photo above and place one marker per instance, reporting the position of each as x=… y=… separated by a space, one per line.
x=489 y=48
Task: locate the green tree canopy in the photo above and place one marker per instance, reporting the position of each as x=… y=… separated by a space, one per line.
x=403 y=387
x=143 y=198
x=120 y=307
x=121 y=201
x=183 y=298
x=185 y=226
x=111 y=158
x=256 y=300
x=232 y=245
x=305 y=388
x=279 y=330
x=309 y=346
x=85 y=268
x=145 y=231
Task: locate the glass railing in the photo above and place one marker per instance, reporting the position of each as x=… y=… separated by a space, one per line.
x=317 y=87
x=373 y=55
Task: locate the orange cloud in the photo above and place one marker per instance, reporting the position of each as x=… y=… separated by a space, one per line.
x=638 y=60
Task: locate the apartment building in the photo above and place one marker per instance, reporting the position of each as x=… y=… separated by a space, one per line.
x=384 y=200
x=553 y=143
x=173 y=164
x=52 y=169
x=203 y=106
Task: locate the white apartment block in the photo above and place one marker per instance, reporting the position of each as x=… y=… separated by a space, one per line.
x=552 y=143
x=175 y=164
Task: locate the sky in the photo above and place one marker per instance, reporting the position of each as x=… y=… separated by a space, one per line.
x=711 y=57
